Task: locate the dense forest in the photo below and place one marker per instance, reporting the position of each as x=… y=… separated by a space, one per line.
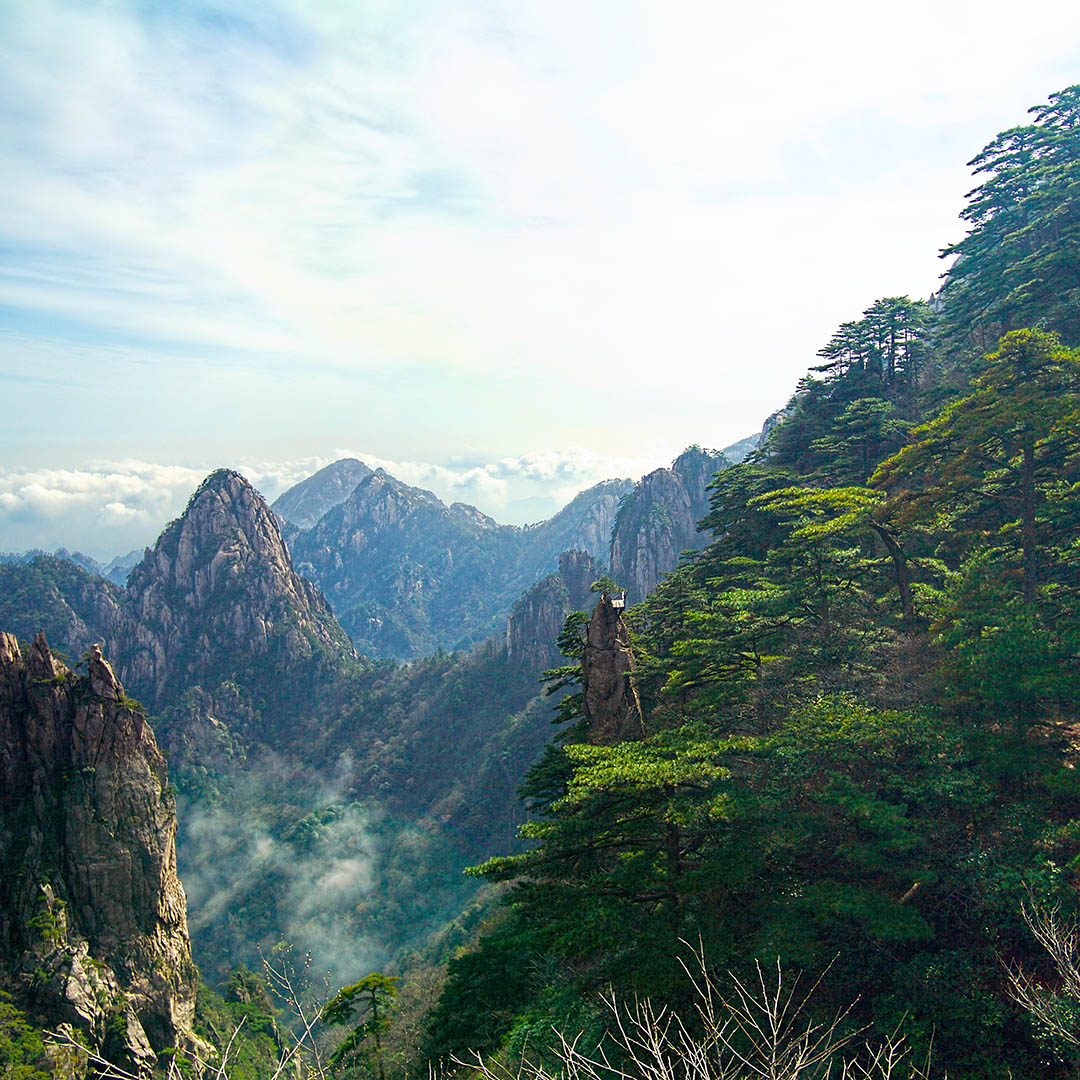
x=860 y=699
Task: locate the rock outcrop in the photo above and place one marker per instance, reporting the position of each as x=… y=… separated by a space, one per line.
x=537 y=618
x=218 y=594
x=609 y=694
x=93 y=927
x=658 y=521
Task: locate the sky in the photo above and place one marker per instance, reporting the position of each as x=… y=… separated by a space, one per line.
x=504 y=248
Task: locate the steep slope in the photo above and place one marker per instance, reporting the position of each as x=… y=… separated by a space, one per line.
x=74 y=607
x=405 y=573
x=93 y=925
x=538 y=616
x=217 y=599
x=584 y=524
x=658 y=521
x=408 y=575
x=304 y=503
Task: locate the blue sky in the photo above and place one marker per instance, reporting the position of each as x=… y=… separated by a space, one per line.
x=505 y=248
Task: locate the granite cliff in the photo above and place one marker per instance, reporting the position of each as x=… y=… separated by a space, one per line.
x=217 y=594
x=93 y=930
x=537 y=618
x=658 y=520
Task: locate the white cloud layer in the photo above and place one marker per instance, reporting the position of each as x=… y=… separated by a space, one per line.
x=111 y=507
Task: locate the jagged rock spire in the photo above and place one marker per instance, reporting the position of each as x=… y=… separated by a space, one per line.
x=609 y=693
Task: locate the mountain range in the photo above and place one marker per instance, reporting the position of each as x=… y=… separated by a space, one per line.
x=318 y=786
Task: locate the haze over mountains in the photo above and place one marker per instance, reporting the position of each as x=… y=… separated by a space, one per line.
x=284 y=739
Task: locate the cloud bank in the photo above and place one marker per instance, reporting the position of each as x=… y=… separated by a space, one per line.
x=108 y=508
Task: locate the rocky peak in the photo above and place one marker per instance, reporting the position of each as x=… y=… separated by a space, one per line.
x=93 y=925
x=609 y=693
x=219 y=589
x=306 y=502
x=467 y=512
x=658 y=521
x=584 y=524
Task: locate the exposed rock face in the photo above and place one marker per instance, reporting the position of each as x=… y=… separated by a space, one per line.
x=659 y=520
x=408 y=575
x=609 y=695
x=304 y=503
x=537 y=618
x=93 y=919
x=772 y=421
x=217 y=593
x=584 y=524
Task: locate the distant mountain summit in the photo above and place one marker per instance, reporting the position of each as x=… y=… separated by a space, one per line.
x=304 y=503
x=408 y=575
x=218 y=592
x=214 y=604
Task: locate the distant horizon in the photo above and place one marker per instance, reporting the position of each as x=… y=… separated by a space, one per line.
x=156 y=494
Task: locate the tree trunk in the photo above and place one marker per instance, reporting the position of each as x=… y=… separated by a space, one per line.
x=900 y=570
x=1027 y=534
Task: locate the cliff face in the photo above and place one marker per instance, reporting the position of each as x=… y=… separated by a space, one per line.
x=218 y=593
x=93 y=924
x=658 y=521
x=538 y=616
x=584 y=524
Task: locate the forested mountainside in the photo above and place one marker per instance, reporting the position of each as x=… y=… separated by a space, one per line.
x=407 y=575
x=298 y=763
x=116 y=570
x=315 y=789
x=859 y=701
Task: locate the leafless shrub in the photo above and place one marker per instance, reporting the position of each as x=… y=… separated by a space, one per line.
x=758 y=1031
x=1056 y=1010
x=301 y=1058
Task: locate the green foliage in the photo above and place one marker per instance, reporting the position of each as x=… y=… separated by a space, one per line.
x=364 y=1006
x=606 y=585
x=1017 y=265
x=858 y=696
x=245 y=1016
x=22 y=1052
